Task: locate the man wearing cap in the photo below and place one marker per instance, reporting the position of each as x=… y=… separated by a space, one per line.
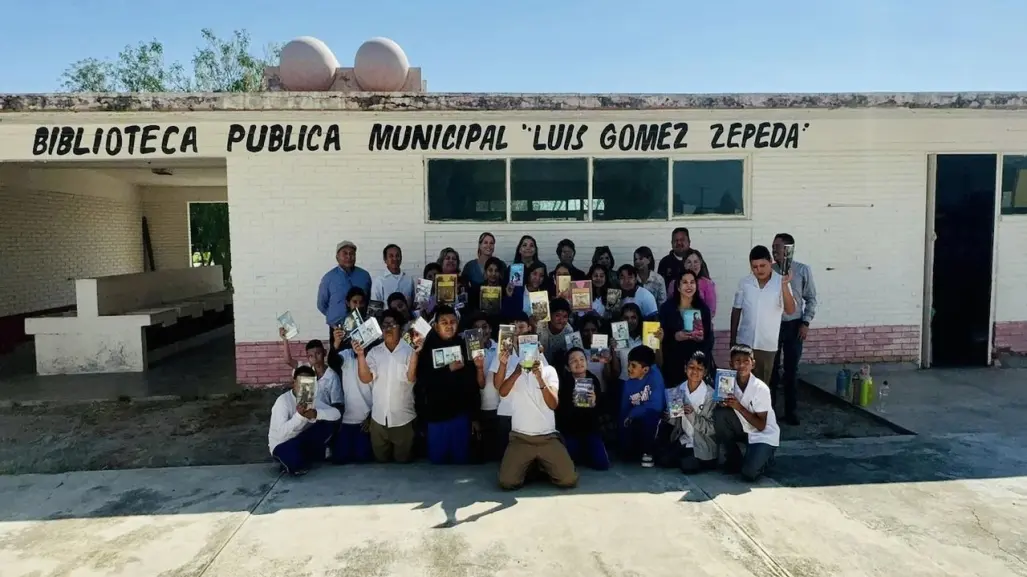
x=335 y=284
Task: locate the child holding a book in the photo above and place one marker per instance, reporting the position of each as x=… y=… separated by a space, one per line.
x=643 y=400
x=298 y=433
x=623 y=342
x=577 y=416
x=352 y=442
x=747 y=417
x=552 y=334
x=691 y=444
x=489 y=445
x=452 y=398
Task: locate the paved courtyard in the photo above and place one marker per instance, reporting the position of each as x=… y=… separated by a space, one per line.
x=950 y=502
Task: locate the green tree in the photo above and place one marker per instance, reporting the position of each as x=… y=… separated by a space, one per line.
x=218 y=65
x=208 y=234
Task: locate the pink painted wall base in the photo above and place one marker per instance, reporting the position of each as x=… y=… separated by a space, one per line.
x=260 y=364
x=1011 y=337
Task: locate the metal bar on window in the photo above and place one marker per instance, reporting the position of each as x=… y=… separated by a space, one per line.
x=509 y=198
x=670 y=188
x=588 y=213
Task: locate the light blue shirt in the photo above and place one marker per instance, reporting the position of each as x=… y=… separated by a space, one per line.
x=335 y=284
x=643 y=298
x=388 y=283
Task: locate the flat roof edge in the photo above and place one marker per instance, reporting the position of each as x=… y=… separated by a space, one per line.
x=403 y=102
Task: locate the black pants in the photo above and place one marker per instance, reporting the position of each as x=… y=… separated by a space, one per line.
x=490 y=447
x=727 y=428
x=786 y=366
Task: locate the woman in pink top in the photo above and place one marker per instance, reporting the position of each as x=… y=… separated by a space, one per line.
x=694 y=262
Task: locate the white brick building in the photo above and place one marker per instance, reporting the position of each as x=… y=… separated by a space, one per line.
x=852 y=177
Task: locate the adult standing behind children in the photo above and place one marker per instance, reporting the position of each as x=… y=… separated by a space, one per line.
x=452 y=399
x=762 y=298
x=682 y=339
x=394 y=279
x=565 y=251
x=672 y=265
x=474 y=270
x=385 y=369
x=335 y=284
x=794 y=327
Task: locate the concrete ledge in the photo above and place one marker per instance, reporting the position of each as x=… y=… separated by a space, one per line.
x=398 y=102
x=828 y=394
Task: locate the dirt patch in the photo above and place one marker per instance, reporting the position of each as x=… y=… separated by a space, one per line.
x=126 y=435
x=123 y=435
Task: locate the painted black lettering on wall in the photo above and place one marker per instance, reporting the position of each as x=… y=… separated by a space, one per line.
x=756 y=135
x=557 y=136
x=644 y=137
x=132 y=140
x=285 y=137
x=437 y=137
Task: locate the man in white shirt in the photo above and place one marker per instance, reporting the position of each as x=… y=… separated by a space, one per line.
x=298 y=434
x=393 y=280
x=762 y=297
x=747 y=417
x=534 y=396
x=384 y=369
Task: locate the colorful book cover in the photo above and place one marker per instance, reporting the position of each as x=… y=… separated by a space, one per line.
x=422 y=291
x=539 y=306
x=285 y=321
x=563 y=284
x=573 y=340
x=613 y=299
x=528 y=353
x=351 y=323
x=600 y=346
x=490 y=299
x=689 y=318
x=446 y=356
x=305 y=394
x=649 y=338
x=583 y=389
x=507 y=336
x=476 y=341
x=723 y=384
x=445 y=288
x=676 y=402
x=517 y=274
x=581 y=295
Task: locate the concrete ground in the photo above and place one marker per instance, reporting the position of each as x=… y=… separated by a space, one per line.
x=950 y=501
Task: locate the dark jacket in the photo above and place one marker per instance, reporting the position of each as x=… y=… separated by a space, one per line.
x=676 y=354
x=576 y=421
x=671 y=269
x=446 y=394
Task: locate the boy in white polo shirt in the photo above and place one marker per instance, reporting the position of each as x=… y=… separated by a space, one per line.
x=746 y=417
x=762 y=297
x=352 y=443
x=534 y=395
x=298 y=434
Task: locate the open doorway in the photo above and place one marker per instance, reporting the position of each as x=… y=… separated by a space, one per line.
x=209 y=243
x=964 y=229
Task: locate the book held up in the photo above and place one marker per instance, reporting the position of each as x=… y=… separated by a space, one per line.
x=527 y=345
x=723 y=384
x=305 y=392
x=285 y=321
x=650 y=329
x=600 y=347
x=581 y=295
x=490 y=299
x=539 y=306
x=583 y=389
x=445 y=288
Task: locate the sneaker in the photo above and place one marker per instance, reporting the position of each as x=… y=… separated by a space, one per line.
x=647 y=461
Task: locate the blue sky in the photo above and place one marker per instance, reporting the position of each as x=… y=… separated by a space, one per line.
x=569 y=45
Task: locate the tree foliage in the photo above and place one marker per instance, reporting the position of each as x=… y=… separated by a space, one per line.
x=208 y=235
x=218 y=65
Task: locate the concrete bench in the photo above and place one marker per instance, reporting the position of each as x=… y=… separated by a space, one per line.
x=123 y=323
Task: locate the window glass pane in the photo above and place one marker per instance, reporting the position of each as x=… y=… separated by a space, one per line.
x=708 y=187
x=466 y=189
x=548 y=189
x=1014 y=184
x=629 y=189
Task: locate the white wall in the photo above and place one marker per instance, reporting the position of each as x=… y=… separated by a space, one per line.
x=58 y=225
x=1011 y=236
x=167 y=213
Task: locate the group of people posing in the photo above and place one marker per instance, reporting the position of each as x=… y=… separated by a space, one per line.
x=552 y=389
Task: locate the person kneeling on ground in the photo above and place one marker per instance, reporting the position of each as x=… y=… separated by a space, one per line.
x=385 y=371
x=643 y=400
x=299 y=433
x=533 y=394
x=692 y=443
x=579 y=421
x=747 y=417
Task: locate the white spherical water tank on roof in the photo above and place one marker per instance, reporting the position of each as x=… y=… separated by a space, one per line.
x=381 y=66
x=307 y=64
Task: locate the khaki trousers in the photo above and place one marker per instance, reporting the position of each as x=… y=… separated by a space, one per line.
x=764 y=365
x=547 y=450
x=392 y=443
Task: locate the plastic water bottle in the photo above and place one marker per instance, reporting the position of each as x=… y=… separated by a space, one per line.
x=882 y=396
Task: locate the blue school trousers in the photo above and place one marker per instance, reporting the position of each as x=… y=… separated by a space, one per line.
x=639 y=437
x=588 y=450
x=300 y=452
x=449 y=442
x=352 y=445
